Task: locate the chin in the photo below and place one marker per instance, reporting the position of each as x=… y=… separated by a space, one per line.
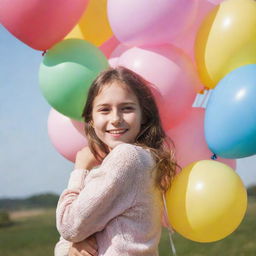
x=114 y=144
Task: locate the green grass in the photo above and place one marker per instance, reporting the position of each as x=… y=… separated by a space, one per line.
x=37 y=236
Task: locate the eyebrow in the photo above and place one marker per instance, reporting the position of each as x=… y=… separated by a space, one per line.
x=124 y=103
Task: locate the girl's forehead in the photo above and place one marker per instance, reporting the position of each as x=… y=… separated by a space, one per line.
x=114 y=85
x=115 y=90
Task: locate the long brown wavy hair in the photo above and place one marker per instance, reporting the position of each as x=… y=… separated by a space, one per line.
x=151 y=135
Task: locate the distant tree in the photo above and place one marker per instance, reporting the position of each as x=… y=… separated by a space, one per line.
x=5 y=219
x=251 y=191
x=43 y=200
x=47 y=200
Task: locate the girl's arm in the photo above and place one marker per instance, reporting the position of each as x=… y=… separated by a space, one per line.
x=110 y=190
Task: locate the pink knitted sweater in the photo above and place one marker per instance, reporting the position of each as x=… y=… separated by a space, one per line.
x=117 y=201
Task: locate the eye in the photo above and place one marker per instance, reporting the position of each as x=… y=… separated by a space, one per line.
x=104 y=110
x=127 y=108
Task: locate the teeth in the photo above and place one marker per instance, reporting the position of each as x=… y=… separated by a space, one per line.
x=117 y=132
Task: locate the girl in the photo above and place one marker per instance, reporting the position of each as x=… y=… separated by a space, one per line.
x=113 y=203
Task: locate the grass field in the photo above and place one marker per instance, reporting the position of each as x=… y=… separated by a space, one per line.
x=34 y=233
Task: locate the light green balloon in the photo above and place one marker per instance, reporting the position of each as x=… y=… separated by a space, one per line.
x=66 y=73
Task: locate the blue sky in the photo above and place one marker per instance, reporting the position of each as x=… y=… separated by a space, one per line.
x=29 y=164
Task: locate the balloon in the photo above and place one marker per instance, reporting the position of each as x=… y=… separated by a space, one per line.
x=41 y=24
x=150 y=22
x=186 y=42
x=64 y=135
x=189 y=140
x=172 y=73
x=215 y=1
x=230 y=120
x=206 y=202
x=113 y=62
x=118 y=51
x=108 y=47
x=75 y=33
x=66 y=74
x=223 y=40
x=93 y=25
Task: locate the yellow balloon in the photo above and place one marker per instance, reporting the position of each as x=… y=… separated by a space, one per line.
x=93 y=25
x=75 y=33
x=223 y=39
x=206 y=202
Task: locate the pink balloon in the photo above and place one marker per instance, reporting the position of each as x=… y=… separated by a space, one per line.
x=189 y=140
x=66 y=134
x=172 y=73
x=113 y=62
x=186 y=42
x=40 y=23
x=150 y=22
x=108 y=47
x=118 y=51
x=79 y=126
x=216 y=2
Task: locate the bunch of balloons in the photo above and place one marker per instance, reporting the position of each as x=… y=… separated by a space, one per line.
x=180 y=46
x=226 y=58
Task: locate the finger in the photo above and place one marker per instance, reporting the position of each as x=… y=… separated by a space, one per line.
x=85 y=253
x=93 y=243
x=73 y=252
x=89 y=249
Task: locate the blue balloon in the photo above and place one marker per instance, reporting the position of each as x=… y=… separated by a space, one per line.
x=230 y=117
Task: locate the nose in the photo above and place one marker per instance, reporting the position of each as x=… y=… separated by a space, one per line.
x=116 y=118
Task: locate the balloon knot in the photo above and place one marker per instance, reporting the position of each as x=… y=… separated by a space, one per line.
x=44 y=52
x=214 y=157
x=203 y=90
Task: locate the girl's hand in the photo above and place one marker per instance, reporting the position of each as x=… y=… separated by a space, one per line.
x=88 y=247
x=85 y=159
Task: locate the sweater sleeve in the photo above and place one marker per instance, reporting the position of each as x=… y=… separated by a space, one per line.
x=62 y=247
x=107 y=193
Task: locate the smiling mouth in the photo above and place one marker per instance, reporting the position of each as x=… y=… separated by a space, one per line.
x=117 y=131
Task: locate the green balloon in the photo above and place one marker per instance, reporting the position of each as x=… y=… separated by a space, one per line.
x=66 y=73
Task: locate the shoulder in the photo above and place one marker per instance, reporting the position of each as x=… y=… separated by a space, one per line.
x=131 y=154
x=130 y=150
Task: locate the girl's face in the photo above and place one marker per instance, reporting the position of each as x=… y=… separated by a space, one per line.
x=116 y=115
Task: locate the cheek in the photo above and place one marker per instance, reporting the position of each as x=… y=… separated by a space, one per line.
x=98 y=123
x=99 y=130
x=134 y=119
